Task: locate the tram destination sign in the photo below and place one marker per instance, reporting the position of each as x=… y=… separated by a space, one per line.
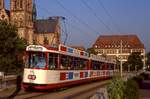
x=35 y=48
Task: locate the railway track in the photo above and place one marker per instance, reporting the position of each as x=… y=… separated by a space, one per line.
x=84 y=91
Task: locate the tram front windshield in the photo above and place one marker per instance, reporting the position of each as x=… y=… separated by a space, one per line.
x=36 y=60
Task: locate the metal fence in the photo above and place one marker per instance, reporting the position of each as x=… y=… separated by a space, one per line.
x=6 y=81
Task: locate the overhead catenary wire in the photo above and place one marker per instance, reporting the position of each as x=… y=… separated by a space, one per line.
x=77 y=18
x=118 y=29
x=98 y=18
x=66 y=23
x=65 y=32
x=109 y=15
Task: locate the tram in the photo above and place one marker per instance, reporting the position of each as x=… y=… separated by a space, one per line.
x=56 y=67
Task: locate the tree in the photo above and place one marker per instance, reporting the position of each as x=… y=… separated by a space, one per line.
x=131 y=90
x=148 y=60
x=135 y=61
x=11 y=48
x=116 y=88
x=120 y=89
x=126 y=66
x=91 y=51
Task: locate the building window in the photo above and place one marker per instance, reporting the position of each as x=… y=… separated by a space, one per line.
x=21 y=3
x=15 y=4
x=0 y=3
x=100 y=51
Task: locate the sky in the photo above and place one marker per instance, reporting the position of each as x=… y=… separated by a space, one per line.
x=86 y=20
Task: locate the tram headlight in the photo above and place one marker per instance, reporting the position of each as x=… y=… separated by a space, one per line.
x=31 y=77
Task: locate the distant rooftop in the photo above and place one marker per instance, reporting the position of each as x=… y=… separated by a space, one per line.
x=78 y=47
x=46 y=25
x=113 y=41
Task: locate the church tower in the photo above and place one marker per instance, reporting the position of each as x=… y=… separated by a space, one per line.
x=2 y=4
x=4 y=13
x=21 y=17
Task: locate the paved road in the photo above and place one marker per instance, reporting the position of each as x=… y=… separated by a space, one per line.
x=144 y=94
x=73 y=93
x=68 y=93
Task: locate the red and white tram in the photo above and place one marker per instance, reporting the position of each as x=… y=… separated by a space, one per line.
x=50 y=68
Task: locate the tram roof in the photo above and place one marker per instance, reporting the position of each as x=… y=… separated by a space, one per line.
x=65 y=50
x=102 y=59
x=73 y=51
x=62 y=49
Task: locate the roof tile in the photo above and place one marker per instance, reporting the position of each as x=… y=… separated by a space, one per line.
x=113 y=41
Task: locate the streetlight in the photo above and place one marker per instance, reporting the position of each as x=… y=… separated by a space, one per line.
x=121 y=58
x=128 y=67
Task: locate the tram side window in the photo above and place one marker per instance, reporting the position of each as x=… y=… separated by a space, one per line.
x=79 y=63
x=36 y=60
x=53 y=60
x=83 y=64
x=96 y=65
x=111 y=66
x=64 y=62
x=72 y=63
x=101 y=66
x=76 y=64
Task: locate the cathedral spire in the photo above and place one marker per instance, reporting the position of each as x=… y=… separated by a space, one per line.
x=34 y=13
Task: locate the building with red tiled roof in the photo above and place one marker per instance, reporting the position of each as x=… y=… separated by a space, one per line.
x=111 y=45
x=78 y=47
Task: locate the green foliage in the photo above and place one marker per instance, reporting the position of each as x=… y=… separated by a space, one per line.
x=131 y=90
x=91 y=51
x=126 y=66
x=148 y=59
x=146 y=76
x=116 y=88
x=119 y=89
x=135 y=61
x=139 y=79
x=11 y=48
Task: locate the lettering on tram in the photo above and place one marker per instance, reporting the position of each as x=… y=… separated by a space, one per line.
x=63 y=66
x=35 y=48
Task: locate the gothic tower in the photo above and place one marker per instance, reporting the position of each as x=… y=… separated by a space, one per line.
x=21 y=17
x=4 y=13
x=2 y=4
